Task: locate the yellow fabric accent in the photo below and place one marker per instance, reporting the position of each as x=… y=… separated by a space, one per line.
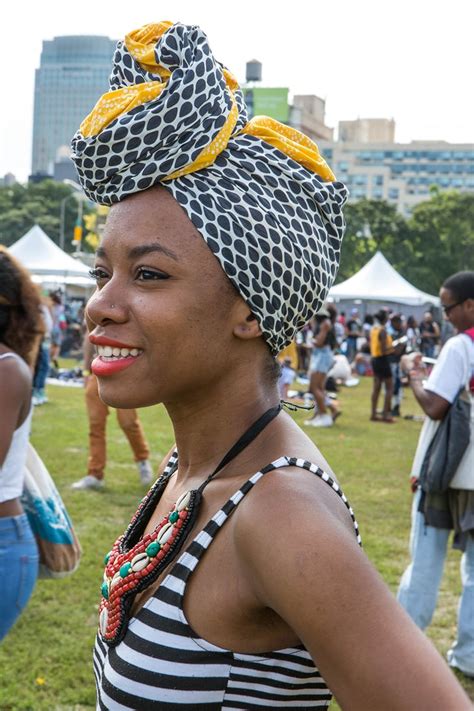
x=376 y=346
x=291 y=142
x=116 y=103
x=209 y=154
x=141 y=45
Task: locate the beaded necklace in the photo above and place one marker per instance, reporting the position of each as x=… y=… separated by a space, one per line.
x=136 y=560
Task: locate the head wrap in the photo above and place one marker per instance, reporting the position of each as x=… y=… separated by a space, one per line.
x=259 y=192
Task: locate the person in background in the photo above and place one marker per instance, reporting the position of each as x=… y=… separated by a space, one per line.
x=21 y=329
x=59 y=325
x=97 y=412
x=287 y=375
x=354 y=331
x=43 y=357
x=412 y=334
x=429 y=335
x=397 y=332
x=324 y=344
x=434 y=516
x=304 y=346
x=367 y=327
x=447 y=332
x=380 y=349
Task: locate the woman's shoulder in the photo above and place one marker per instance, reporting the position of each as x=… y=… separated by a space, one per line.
x=297 y=495
x=16 y=372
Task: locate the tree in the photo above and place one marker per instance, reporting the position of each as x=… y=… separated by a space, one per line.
x=372 y=225
x=442 y=233
x=436 y=241
x=22 y=206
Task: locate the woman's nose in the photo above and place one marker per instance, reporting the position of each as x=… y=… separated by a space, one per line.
x=105 y=305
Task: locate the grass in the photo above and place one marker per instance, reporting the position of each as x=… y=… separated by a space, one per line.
x=45 y=661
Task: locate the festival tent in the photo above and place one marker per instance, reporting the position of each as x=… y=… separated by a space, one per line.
x=48 y=264
x=379 y=282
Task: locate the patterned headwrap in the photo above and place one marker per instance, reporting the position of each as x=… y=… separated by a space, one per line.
x=259 y=192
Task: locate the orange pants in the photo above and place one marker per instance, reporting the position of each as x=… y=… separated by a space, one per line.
x=128 y=421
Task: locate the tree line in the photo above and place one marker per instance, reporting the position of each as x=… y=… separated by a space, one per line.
x=436 y=240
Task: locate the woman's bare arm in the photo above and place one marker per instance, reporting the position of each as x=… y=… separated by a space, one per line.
x=304 y=563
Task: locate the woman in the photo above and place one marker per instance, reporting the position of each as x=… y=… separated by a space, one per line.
x=20 y=331
x=193 y=600
x=322 y=359
x=380 y=348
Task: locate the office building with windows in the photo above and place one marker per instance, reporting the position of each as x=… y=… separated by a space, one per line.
x=73 y=72
x=401 y=173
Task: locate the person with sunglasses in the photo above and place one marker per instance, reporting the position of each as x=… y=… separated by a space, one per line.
x=454 y=369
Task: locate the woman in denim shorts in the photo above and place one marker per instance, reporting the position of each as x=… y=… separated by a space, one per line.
x=20 y=333
x=320 y=364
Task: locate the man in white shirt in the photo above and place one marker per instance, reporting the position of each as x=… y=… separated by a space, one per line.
x=420 y=582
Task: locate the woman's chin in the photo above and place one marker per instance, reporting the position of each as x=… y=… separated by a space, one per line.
x=114 y=396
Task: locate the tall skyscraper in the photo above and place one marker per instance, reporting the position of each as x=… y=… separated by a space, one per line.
x=73 y=73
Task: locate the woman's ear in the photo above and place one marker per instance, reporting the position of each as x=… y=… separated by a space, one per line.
x=247 y=326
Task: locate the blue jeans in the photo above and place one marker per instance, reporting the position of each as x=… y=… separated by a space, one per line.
x=42 y=367
x=418 y=590
x=18 y=568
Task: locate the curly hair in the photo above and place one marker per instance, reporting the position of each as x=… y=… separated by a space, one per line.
x=21 y=324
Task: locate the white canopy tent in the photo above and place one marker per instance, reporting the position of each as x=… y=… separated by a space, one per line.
x=48 y=264
x=379 y=282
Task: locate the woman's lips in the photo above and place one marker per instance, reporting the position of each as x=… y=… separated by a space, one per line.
x=112 y=360
x=102 y=366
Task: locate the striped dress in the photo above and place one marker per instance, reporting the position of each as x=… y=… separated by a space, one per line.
x=161 y=663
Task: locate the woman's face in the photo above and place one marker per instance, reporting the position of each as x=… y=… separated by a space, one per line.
x=162 y=295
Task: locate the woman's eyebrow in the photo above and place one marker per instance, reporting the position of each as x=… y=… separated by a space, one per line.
x=144 y=249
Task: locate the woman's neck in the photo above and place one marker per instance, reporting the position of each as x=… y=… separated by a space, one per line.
x=205 y=429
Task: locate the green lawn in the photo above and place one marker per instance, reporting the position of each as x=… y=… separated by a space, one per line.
x=45 y=661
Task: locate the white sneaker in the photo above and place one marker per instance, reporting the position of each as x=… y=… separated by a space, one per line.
x=145 y=471
x=320 y=421
x=88 y=482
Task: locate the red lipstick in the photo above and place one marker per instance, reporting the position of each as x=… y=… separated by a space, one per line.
x=102 y=368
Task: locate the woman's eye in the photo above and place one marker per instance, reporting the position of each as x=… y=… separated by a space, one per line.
x=98 y=274
x=144 y=274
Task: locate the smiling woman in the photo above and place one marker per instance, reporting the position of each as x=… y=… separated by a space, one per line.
x=240 y=582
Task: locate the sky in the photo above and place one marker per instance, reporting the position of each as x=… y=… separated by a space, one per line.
x=411 y=60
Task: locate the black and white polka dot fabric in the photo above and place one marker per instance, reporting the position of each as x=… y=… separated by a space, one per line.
x=274 y=224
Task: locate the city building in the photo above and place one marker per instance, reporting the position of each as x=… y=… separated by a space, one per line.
x=73 y=72
x=370 y=130
x=307 y=114
x=8 y=180
x=401 y=173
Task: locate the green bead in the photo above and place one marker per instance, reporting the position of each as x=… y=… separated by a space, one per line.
x=105 y=590
x=107 y=557
x=125 y=569
x=152 y=549
x=173 y=517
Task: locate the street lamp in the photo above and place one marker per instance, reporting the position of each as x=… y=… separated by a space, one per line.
x=80 y=197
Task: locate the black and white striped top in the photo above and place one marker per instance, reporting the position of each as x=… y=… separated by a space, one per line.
x=162 y=664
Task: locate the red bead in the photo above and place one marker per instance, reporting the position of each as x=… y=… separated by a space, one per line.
x=183 y=515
